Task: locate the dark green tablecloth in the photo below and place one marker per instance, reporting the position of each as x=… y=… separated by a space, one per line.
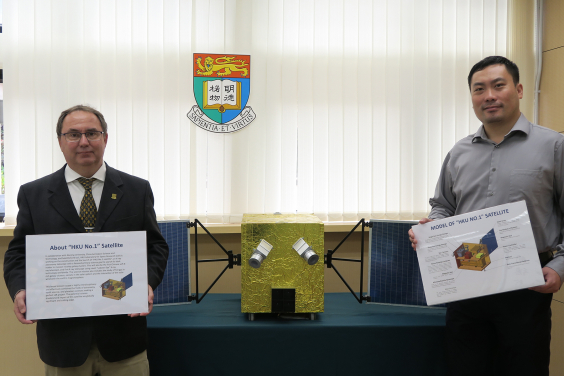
x=215 y=338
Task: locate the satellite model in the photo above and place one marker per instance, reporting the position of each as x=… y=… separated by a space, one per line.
x=282 y=274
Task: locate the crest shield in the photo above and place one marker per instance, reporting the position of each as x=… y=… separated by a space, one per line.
x=222 y=84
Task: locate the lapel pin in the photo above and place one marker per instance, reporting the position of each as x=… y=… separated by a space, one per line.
x=114 y=196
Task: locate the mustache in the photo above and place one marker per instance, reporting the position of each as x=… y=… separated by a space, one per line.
x=495 y=104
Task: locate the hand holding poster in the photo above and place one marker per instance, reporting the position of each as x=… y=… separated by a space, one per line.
x=74 y=275
x=480 y=253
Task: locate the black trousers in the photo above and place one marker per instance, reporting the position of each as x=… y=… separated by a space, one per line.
x=502 y=334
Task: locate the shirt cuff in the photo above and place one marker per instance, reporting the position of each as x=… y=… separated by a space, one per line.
x=557 y=264
x=17 y=292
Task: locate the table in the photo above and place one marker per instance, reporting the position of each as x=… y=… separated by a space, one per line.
x=215 y=338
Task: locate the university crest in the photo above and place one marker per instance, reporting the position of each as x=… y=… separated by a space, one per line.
x=222 y=84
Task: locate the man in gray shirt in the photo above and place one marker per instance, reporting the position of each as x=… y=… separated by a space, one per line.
x=508 y=159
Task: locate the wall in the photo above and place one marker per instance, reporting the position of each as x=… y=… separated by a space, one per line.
x=18 y=346
x=521 y=49
x=551 y=115
x=551 y=97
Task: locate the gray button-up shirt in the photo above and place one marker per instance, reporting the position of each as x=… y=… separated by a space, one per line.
x=527 y=165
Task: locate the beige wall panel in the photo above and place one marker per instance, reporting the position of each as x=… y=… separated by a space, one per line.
x=551 y=115
x=349 y=270
x=551 y=97
x=521 y=49
x=18 y=343
x=553 y=33
x=230 y=282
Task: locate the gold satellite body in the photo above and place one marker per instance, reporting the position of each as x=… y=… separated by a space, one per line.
x=283 y=269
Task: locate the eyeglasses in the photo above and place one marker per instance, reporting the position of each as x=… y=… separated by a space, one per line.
x=76 y=136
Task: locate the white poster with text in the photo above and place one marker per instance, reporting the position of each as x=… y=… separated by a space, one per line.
x=479 y=253
x=93 y=274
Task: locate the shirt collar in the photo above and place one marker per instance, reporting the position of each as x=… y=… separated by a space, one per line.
x=522 y=125
x=71 y=175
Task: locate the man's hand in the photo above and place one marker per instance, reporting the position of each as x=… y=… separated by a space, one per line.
x=20 y=308
x=151 y=297
x=552 y=282
x=412 y=235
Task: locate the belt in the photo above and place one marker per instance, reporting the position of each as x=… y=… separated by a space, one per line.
x=545 y=257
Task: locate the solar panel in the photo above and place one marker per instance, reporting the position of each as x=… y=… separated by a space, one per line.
x=175 y=287
x=394 y=276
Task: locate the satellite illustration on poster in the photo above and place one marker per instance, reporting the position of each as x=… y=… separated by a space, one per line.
x=476 y=256
x=117 y=290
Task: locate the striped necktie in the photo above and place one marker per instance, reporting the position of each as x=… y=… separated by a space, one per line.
x=88 y=211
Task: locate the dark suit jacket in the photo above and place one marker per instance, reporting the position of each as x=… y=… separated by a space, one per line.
x=46 y=207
